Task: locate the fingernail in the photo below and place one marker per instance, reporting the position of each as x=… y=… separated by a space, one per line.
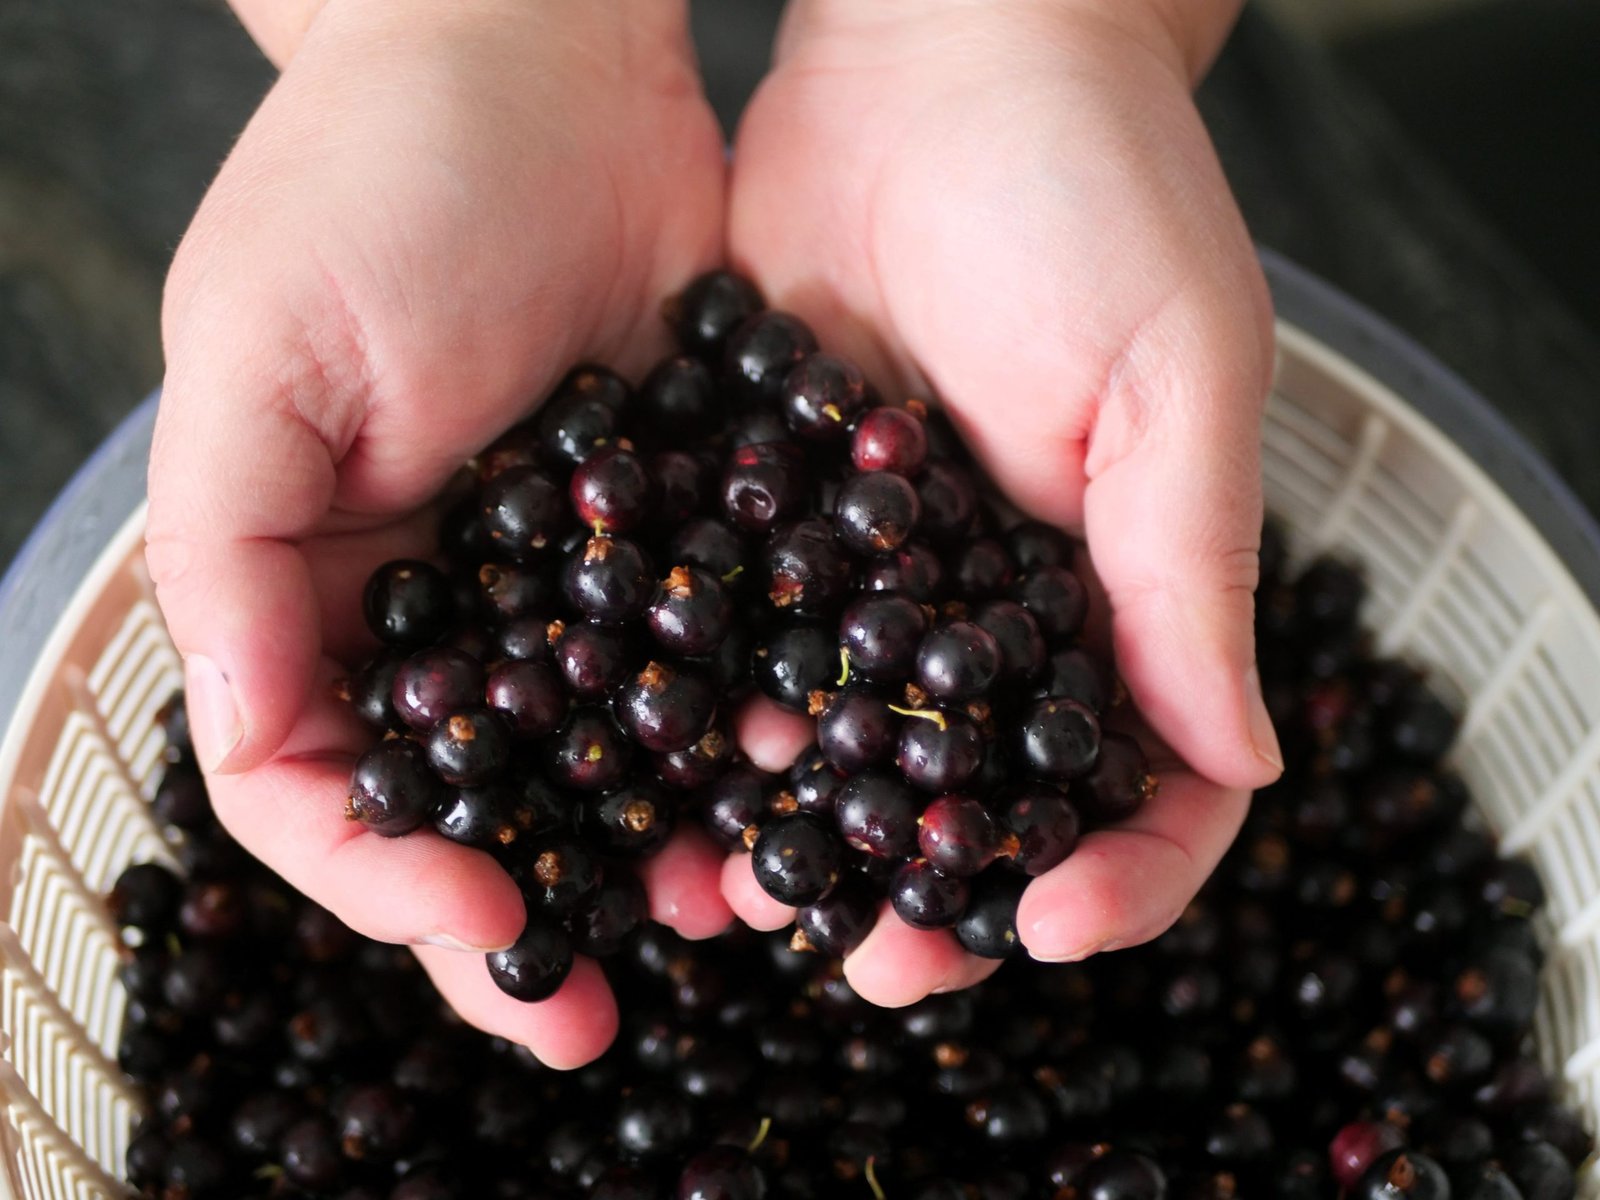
x=445 y=942
x=1078 y=955
x=1262 y=735
x=213 y=717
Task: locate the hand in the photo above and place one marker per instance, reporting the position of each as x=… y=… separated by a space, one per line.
x=440 y=207
x=1015 y=205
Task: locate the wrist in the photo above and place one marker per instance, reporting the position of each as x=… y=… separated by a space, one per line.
x=1185 y=33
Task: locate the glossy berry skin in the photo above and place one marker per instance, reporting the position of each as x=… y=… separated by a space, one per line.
x=814 y=783
x=880 y=634
x=470 y=747
x=481 y=817
x=877 y=814
x=1057 y=599
x=588 y=752
x=683 y=486
x=593 y=660
x=797 y=858
x=603 y=926
x=1035 y=544
x=805 y=568
x=764 y=485
x=701 y=764
x=557 y=873
x=691 y=612
x=376 y=1123
x=721 y=1173
x=794 y=661
x=524 y=511
x=1118 y=784
x=982 y=569
x=1357 y=1146
x=735 y=806
x=1045 y=826
x=508 y=590
x=840 y=921
x=958 y=835
x=665 y=708
x=611 y=490
x=631 y=821
x=913 y=570
x=529 y=697
x=1076 y=674
x=949 y=501
x=889 y=439
x=761 y=353
x=856 y=730
x=989 y=926
x=876 y=511
x=436 y=682
x=1402 y=1175
x=712 y=544
x=822 y=396
x=678 y=401
x=1539 y=1169
x=609 y=580
x=707 y=312
x=536 y=965
x=393 y=790
x=371 y=690
x=958 y=660
x=1121 y=1175
x=939 y=752
x=925 y=898
x=408 y=603
x=1022 y=649
x=145 y=896
x=572 y=426
x=1058 y=740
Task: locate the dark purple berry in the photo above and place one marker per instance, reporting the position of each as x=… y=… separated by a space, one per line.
x=375 y=1123
x=840 y=921
x=1035 y=544
x=524 y=511
x=989 y=926
x=1118 y=784
x=1075 y=674
x=982 y=569
x=408 y=603
x=145 y=896
x=875 y=512
x=913 y=569
x=797 y=858
x=611 y=490
x=481 y=817
x=536 y=965
x=806 y=570
x=678 y=401
x=959 y=836
x=1022 y=650
x=889 y=439
x=879 y=634
x=588 y=752
x=764 y=485
x=877 y=813
x=1057 y=599
x=822 y=396
x=691 y=612
x=926 y=898
x=814 y=783
x=795 y=661
x=706 y=313
x=371 y=689
x=309 y=1154
x=528 y=696
x=736 y=805
x=470 y=747
x=393 y=790
x=572 y=426
x=609 y=580
x=557 y=873
x=594 y=660
x=958 y=660
x=665 y=708
x=1402 y=1174
x=1058 y=740
x=602 y=926
x=1045 y=826
x=684 y=486
x=434 y=682
x=721 y=1173
x=855 y=729
x=949 y=501
x=760 y=354
x=631 y=821
x=939 y=751
x=711 y=544
x=701 y=764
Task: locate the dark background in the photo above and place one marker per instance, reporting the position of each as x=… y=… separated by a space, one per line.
x=1444 y=170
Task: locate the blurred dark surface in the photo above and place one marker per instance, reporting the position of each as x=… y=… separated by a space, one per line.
x=1443 y=174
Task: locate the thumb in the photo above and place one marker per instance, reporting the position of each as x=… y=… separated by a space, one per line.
x=1172 y=514
x=235 y=478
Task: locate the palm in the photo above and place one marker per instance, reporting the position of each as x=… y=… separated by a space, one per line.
x=416 y=278
x=1024 y=229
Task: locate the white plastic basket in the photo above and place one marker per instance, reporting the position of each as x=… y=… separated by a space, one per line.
x=1461 y=577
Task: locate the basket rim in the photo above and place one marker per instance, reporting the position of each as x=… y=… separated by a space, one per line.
x=108 y=488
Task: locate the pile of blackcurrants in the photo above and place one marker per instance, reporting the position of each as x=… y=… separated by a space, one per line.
x=621 y=568
x=1344 y=1012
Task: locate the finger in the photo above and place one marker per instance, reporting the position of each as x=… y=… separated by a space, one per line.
x=770 y=735
x=897 y=965
x=973 y=970
x=289 y=812
x=746 y=898
x=569 y=1030
x=1127 y=885
x=683 y=881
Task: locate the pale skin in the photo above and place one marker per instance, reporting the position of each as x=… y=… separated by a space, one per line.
x=441 y=206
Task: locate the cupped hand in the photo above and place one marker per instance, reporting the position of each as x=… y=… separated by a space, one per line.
x=439 y=208
x=1015 y=206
